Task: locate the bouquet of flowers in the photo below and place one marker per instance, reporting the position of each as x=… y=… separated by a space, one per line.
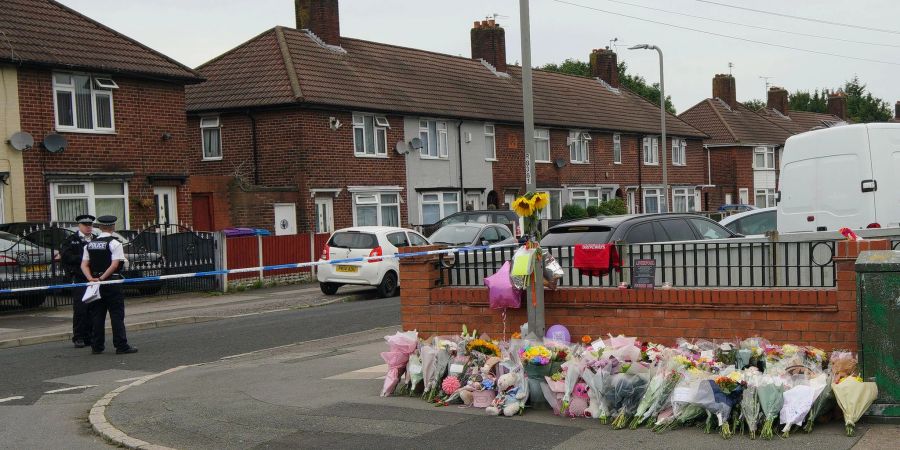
x=726 y=393
x=799 y=399
x=598 y=376
x=627 y=389
x=770 y=393
x=483 y=346
x=400 y=345
x=750 y=353
x=854 y=396
x=654 y=401
x=685 y=405
x=529 y=207
x=413 y=375
x=750 y=408
x=823 y=404
x=536 y=363
x=446 y=349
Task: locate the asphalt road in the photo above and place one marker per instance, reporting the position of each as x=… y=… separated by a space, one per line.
x=26 y=371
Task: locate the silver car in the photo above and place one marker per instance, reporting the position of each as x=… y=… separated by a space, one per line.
x=469 y=234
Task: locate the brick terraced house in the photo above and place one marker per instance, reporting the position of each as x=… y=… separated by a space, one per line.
x=303 y=129
x=114 y=107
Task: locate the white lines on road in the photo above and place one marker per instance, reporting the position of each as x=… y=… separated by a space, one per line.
x=128 y=380
x=9 y=399
x=56 y=391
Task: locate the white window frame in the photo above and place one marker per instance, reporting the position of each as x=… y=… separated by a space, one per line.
x=379 y=205
x=587 y=195
x=104 y=88
x=442 y=204
x=744 y=196
x=679 y=152
x=579 y=147
x=441 y=142
x=547 y=212
x=657 y=192
x=90 y=196
x=768 y=158
x=690 y=200
x=541 y=137
x=210 y=123
x=650 y=146
x=379 y=125
x=768 y=195
x=490 y=142
x=617 y=148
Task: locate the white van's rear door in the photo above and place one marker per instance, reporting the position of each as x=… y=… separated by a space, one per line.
x=884 y=142
x=820 y=181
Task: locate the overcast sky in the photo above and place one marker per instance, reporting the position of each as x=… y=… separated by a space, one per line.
x=194 y=31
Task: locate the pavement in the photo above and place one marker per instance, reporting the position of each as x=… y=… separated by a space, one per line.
x=324 y=394
x=49 y=325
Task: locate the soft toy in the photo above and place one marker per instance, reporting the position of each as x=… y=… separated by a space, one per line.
x=578 y=407
x=593 y=408
x=510 y=397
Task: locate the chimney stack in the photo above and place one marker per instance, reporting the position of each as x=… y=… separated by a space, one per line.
x=724 y=89
x=605 y=66
x=778 y=99
x=837 y=104
x=321 y=18
x=489 y=43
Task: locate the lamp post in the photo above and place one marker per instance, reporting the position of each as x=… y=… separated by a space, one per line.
x=662 y=124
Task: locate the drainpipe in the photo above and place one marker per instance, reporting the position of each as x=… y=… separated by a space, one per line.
x=708 y=167
x=640 y=162
x=462 y=191
x=254 y=146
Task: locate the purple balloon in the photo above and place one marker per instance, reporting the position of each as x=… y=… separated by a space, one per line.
x=501 y=293
x=559 y=333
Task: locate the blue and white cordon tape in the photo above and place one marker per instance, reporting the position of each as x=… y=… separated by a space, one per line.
x=258 y=269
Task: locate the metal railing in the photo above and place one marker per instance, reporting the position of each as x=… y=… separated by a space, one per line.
x=735 y=263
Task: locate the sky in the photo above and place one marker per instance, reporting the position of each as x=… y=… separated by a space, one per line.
x=195 y=31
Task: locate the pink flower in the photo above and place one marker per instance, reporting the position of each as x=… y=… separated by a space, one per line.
x=450 y=385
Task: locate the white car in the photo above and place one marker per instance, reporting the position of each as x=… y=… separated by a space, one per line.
x=357 y=242
x=753 y=223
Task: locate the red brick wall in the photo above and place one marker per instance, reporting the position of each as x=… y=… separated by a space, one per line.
x=822 y=317
x=298 y=151
x=143 y=110
x=732 y=169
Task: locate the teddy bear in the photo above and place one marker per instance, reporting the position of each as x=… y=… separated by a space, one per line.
x=593 y=408
x=580 y=400
x=511 y=397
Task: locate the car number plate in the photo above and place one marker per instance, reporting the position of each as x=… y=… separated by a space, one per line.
x=347 y=269
x=36 y=268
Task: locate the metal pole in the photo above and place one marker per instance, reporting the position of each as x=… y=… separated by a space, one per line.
x=535 y=297
x=663 y=143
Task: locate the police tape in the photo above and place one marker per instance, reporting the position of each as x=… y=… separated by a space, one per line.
x=211 y=273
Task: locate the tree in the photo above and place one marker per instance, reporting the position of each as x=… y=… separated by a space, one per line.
x=634 y=83
x=862 y=106
x=755 y=104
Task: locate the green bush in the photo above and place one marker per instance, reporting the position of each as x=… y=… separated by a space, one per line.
x=613 y=207
x=572 y=212
x=593 y=210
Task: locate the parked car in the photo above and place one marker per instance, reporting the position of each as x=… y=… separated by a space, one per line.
x=359 y=242
x=844 y=176
x=481 y=216
x=736 y=208
x=635 y=229
x=754 y=223
x=21 y=264
x=472 y=234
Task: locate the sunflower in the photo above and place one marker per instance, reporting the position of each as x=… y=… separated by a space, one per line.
x=523 y=207
x=540 y=200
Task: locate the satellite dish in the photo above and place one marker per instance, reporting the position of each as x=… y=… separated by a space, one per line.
x=560 y=163
x=55 y=142
x=416 y=143
x=21 y=141
x=401 y=148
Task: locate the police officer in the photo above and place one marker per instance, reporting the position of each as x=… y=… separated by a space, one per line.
x=102 y=260
x=71 y=252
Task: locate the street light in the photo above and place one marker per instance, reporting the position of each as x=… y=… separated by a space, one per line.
x=662 y=120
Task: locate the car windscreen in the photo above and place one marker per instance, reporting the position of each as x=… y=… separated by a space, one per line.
x=458 y=235
x=353 y=240
x=564 y=236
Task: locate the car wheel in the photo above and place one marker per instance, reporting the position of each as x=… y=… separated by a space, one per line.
x=329 y=288
x=31 y=300
x=388 y=286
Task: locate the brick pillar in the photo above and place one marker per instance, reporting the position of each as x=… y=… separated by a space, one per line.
x=844 y=266
x=418 y=276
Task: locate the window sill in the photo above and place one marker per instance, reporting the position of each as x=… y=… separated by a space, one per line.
x=363 y=155
x=679 y=165
x=491 y=159
x=434 y=158
x=543 y=162
x=79 y=131
x=579 y=162
x=218 y=158
x=619 y=163
x=650 y=164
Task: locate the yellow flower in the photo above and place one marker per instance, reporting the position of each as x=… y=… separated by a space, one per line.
x=540 y=200
x=736 y=376
x=523 y=207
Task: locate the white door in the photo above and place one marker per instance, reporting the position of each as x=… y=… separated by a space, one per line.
x=285 y=219
x=728 y=199
x=885 y=149
x=474 y=200
x=632 y=205
x=744 y=196
x=166 y=204
x=324 y=215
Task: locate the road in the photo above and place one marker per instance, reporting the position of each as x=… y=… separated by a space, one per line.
x=30 y=372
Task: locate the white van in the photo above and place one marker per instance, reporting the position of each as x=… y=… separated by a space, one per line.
x=845 y=176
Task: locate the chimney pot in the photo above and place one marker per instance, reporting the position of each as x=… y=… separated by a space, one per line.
x=724 y=89
x=321 y=18
x=605 y=66
x=837 y=105
x=489 y=43
x=777 y=99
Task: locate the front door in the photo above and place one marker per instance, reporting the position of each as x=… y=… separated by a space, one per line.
x=285 y=219
x=201 y=205
x=324 y=215
x=166 y=205
x=474 y=200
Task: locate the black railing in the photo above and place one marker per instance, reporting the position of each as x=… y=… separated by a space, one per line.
x=31 y=259
x=743 y=264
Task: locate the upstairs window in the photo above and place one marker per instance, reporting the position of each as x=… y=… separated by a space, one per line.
x=370 y=135
x=578 y=146
x=679 y=152
x=617 y=149
x=433 y=134
x=83 y=102
x=490 y=142
x=651 y=151
x=764 y=158
x=542 y=145
x=211 y=134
